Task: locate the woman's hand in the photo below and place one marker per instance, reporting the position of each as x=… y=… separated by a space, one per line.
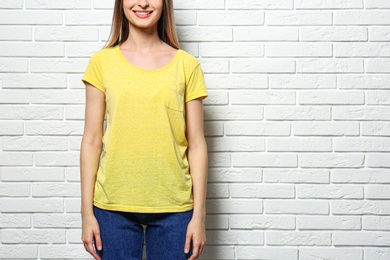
x=91 y=236
x=196 y=233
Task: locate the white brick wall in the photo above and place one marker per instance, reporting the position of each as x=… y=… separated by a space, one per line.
x=297 y=125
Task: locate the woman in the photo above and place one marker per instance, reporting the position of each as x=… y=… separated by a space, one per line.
x=150 y=183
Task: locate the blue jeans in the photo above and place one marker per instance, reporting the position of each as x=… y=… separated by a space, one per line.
x=123 y=235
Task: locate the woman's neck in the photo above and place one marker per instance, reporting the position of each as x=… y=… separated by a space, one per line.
x=143 y=40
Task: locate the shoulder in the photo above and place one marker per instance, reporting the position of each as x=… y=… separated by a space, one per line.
x=188 y=59
x=104 y=53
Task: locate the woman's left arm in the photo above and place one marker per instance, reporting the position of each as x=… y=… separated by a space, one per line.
x=197 y=157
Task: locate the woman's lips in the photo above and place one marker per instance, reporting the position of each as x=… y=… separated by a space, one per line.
x=143 y=14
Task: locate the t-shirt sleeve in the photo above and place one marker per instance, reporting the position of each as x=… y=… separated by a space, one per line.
x=93 y=73
x=196 y=87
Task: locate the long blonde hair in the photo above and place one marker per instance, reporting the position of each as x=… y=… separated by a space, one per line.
x=166 y=26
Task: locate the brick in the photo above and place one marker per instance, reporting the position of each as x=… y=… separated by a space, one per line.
x=363 y=81
x=75 y=143
x=11 y=4
x=205 y=34
x=13 y=33
x=329 y=4
x=299 y=144
x=234 y=206
x=185 y=18
x=231 y=144
x=377 y=192
x=297 y=113
x=74 y=112
x=219 y=160
x=361 y=176
x=330 y=66
x=15 y=221
x=376 y=253
x=372 y=144
x=356 y=207
x=58 y=97
x=362 y=113
x=72 y=205
x=14 y=236
x=301 y=238
x=264 y=253
x=379 y=223
x=200 y=4
x=326 y=128
x=63 y=251
x=19 y=251
x=57 y=159
x=241 y=81
x=210 y=65
x=294 y=18
x=54 y=128
x=55 y=190
x=30 y=18
x=298 y=50
x=361 y=238
x=35 y=144
x=361 y=50
x=329 y=160
x=14 y=190
x=379 y=33
x=58 y=4
x=11 y=128
x=72 y=174
x=333 y=34
x=9 y=112
x=213 y=129
x=235 y=237
x=88 y=17
x=263 y=66
x=32 y=174
x=234 y=175
x=379 y=97
x=376 y=4
x=213 y=113
x=264 y=160
x=301 y=81
x=261 y=33
x=13 y=65
x=260 y=97
x=43 y=81
x=296 y=207
x=58 y=65
x=81 y=50
x=295 y=176
x=375 y=129
x=15 y=96
x=262 y=191
x=215 y=222
x=215 y=191
x=218 y=253
x=73 y=236
x=224 y=50
x=362 y=17
x=230 y=18
x=330 y=191
x=55 y=33
x=28 y=49
x=378 y=160
x=378 y=65
x=330 y=253
x=74 y=81
x=32 y=205
x=217 y=97
x=328 y=223
x=325 y=97
x=260 y=4
x=56 y=221
x=262 y=222
x=103 y=4
x=16 y=159
x=257 y=128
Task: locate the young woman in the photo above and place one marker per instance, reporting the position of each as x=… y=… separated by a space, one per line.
x=149 y=182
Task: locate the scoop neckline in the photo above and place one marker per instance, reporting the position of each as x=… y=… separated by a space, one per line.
x=146 y=70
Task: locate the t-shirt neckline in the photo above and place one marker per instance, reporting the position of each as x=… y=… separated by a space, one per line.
x=146 y=70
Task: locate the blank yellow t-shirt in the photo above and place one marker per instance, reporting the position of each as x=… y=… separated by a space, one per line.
x=144 y=166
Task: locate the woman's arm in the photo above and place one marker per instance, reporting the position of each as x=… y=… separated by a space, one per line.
x=91 y=148
x=197 y=157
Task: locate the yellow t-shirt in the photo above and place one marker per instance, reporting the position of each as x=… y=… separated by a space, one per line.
x=144 y=166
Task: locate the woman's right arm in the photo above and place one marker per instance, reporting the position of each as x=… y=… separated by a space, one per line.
x=91 y=148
